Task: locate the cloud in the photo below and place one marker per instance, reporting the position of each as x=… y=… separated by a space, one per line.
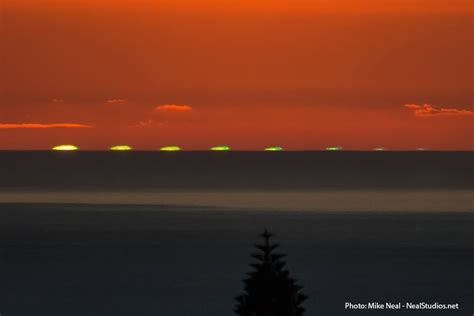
x=57 y=101
x=174 y=107
x=42 y=126
x=427 y=110
x=117 y=101
x=147 y=124
x=164 y=113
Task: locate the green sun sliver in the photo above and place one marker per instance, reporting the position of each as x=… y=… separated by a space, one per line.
x=221 y=148
x=170 y=148
x=274 y=148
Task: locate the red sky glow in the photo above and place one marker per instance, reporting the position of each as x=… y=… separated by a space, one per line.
x=301 y=74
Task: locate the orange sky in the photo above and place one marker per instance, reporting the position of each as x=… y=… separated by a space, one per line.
x=303 y=74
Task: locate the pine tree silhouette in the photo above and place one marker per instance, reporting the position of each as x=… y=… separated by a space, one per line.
x=269 y=291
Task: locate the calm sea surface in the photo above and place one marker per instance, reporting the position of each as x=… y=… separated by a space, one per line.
x=236 y=170
x=357 y=227
x=150 y=260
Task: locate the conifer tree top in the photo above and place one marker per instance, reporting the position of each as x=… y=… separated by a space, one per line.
x=269 y=291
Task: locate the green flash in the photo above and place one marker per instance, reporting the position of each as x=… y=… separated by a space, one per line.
x=379 y=149
x=121 y=148
x=170 y=148
x=220 y=148
x=336 y=148
x=65 y=148
x=274 y=148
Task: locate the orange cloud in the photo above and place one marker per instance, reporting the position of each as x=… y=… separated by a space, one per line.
x=117 y=101
x=174 y=107
x=426 y=110
x=42 y=126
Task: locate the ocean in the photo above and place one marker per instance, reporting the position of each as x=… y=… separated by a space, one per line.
x=143 y=233
x=248 y=171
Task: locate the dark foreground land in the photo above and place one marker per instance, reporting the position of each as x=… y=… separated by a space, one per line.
x=156 y=260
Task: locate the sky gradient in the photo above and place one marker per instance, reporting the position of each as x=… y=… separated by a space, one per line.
x=250 y=74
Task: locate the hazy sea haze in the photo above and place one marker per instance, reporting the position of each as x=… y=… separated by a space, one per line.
x=170 y=171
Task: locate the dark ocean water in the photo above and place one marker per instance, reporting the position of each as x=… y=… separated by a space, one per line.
x=236 y=170
x=177 y=261
x=80 y=259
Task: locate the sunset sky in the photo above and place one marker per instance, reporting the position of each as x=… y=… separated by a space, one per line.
x=302 y=74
